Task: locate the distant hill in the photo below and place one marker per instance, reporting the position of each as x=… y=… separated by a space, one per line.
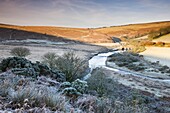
x=16 y=34
x=92 y=35
x=133 y=30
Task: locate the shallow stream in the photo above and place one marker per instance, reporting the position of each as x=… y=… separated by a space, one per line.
x=99 y=60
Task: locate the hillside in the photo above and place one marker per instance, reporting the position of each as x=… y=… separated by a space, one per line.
x=16 y=34
x=79 y=34
x=164 y=38
x=133 y=30
x=92 y=35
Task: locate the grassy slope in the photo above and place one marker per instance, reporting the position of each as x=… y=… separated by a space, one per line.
x=133 y=29
x=80 y=34
x=165 y=38
x=93 y=35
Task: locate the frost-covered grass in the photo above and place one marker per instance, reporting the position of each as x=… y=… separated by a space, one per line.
x=99 y=94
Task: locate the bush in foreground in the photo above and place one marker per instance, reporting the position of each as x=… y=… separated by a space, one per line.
x=70 y=64
x=20 y=52
x=22 y=66
x=76 y=88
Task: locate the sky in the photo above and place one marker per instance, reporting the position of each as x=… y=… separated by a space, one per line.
x=83 y=13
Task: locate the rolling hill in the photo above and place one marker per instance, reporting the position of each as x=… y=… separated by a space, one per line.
x=89 y=35
x=133 y=30
x=164 y=38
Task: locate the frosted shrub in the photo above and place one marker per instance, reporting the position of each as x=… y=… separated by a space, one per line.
x=80 y=85
x=20 y=52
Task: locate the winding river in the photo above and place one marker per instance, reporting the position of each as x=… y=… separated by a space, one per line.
x=99 y=60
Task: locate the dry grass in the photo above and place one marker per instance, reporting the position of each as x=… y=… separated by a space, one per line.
x=96 y=35
x=133 y=29
x=165 y=38
x=157 y=54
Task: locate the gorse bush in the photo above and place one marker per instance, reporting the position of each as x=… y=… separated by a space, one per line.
x=22 y=66
x=20 y=52
x=75 y=88
x=80 y=85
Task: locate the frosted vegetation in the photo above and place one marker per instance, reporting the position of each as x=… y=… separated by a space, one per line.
x=55 y=85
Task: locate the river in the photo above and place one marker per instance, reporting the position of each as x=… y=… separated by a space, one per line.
x=99 y=60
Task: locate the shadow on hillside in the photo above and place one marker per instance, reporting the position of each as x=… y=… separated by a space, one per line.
x=14 y=34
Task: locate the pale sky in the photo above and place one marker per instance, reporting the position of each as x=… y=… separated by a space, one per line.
x=83 y=13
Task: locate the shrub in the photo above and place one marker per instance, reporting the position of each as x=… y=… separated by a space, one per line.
x=160 y=44
x=75 y=88
x=49 y=59
x=65 y=85
x=148 y=43
x=70 y=91
x=80 y=85
x=22 y=66
x=20 y=52
x=25 y=71
x=71 y=65
x=97 y=82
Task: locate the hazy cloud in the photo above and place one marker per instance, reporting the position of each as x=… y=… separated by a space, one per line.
x=82 y=13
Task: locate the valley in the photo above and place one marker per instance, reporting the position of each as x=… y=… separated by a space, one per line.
x=96 y=47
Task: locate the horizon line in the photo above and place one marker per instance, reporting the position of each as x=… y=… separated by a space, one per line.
x=9 y=24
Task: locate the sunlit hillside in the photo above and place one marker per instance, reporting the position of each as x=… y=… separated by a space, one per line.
x=133 y=30
x=94 y=35
x=165 y=38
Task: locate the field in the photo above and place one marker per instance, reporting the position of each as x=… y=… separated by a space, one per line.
x=165 y=38
x=38 y=50
x=160 y=54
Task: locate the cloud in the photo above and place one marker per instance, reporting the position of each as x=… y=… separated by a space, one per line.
x=81 y=13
